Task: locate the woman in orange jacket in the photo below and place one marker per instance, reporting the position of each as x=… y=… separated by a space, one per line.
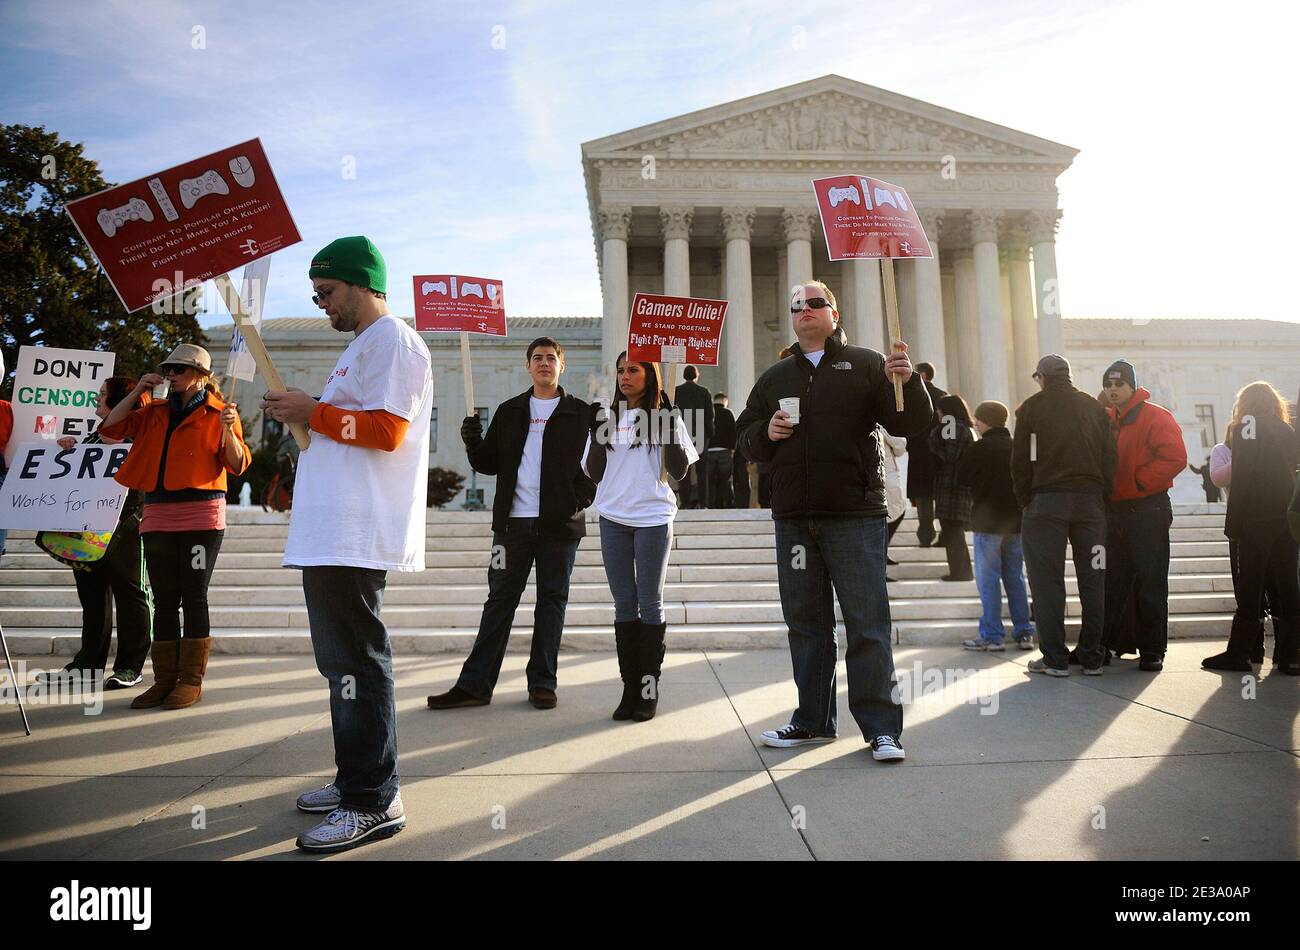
x=184 y=446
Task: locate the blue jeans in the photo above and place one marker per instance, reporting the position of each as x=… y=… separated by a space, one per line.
x=999 y=562
x=513 y=553
x=814 y=555
x=636 y=565
x=353 y=653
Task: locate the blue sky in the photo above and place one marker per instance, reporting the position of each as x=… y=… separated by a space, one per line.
x=464 y=121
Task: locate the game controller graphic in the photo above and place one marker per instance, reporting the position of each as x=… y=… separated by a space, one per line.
x=209 y=183
x=164 y=202
x=241 y=169
x=429 y=285
x=471 y=290
x=849 y=193
x=110 y=219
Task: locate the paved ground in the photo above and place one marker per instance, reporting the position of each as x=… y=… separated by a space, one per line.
x=1000 y=764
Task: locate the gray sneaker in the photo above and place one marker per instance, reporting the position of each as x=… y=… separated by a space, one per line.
x=1040 y=666
x=320 y=800
x=343 y=828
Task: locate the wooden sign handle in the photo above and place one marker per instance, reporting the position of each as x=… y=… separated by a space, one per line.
x=670 y=387
x=255 y=346
x=467 y=371
x=891 y=316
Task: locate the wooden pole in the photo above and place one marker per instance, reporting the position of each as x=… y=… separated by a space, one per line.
x=891 y=316
x=261 y=357
x=670 y=387
x=467 y=371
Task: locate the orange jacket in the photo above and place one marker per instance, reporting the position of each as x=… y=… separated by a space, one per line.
x=194 y=458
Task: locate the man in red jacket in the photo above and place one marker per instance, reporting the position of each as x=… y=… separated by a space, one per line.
x=1151 y=452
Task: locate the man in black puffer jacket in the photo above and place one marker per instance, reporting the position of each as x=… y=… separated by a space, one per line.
x=828 y=500
x=1062 y=465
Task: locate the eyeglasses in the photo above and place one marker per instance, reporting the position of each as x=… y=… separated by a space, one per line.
x=1113 y=384
x=322 y=295
x=812 y=303
x=174 y=369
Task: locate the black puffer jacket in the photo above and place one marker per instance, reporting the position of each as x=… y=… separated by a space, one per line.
x=1062 y=443
x=985 y=468
x=831 y=467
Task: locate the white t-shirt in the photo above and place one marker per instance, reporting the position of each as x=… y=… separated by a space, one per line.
x=815 y=358
x=631 y=492
x=528 y=483
x=360 y=507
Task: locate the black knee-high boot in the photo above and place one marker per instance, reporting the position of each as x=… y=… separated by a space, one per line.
x=650 y=650
x=626 y=636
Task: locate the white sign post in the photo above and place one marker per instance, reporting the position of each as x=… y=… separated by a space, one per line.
x=56 y=393
x=53 y=489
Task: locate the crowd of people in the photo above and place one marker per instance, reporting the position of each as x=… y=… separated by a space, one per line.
x=1088 y=474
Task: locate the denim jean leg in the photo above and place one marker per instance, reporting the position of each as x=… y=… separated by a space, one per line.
x=1013 y=579
x=1044 y=532
x=988 y=581
x=854 y=549
x=353 y=653
x=807 y=603
x=554 y=568
x=512 y=558
x=651 y=548
x=618 y=553
x=1087 y=537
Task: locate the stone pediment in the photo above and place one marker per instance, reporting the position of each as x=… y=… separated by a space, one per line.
x=834 y=116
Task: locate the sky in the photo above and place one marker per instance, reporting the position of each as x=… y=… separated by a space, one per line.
x=462 y=121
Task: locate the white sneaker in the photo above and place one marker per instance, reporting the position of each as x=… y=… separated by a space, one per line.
x=887 y=749
x=791 y=735
x=1040 y=666
x=344 y=828
x=980 y=645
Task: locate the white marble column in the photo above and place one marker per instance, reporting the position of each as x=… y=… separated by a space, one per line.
x=865 y=324
x=1004 y=293
x=1047 y=294
x=796 y=228
x=947 y=380
x=675 y=221
x=615 y=220
x=928 y=346
x=1022 y=316
x=988 y=288
x=967 y=383
x=738 y=282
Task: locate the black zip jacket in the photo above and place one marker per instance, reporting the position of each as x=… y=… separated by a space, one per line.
x=985 y=468
x=724 y=429
x=831 y=467
x=566 y=490
x=1062 y=443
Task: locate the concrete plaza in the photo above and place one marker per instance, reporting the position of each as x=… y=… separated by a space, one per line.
x=1000 y=764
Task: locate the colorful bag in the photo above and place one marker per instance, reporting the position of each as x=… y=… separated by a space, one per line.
x=80 y=550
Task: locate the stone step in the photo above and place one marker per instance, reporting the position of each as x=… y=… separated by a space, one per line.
x=30 y=641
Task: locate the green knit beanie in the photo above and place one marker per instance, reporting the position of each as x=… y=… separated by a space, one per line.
x=353 y=259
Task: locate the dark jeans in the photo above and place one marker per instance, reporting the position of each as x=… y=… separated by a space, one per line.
x=636 y=566
x=894 y=526
x=925 y=519
x=952 y=536
x=119 y=577
x=692 y=486
x=1137 y=563
x=740 y=479
x=354 y=655
x=514 y=552
x=180 y=567
x=1052 y=519
x=818 y=560
x=1266 y=564
x=717 y=479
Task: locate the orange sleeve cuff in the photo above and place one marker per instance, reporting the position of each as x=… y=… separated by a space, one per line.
x=367 y=428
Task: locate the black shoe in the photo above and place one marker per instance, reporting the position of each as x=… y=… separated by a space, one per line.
x=650 y=651
x=949 y=577
x=890 y=561
x=1227 y=663
x=542 y=698
x=454 y=698
x=1151 y=664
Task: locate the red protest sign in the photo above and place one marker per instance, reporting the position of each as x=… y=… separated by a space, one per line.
x=457 y=303
x=158 y=235
x=868 y=218
x=675 y=329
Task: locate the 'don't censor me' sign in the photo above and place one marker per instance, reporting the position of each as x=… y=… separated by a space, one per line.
x=56 y=393
x=866 y=218
x=665 y=329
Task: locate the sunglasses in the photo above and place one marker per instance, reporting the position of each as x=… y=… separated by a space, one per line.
x=322 y=295
x=1113 y=384
x=812 y=303
x=174 y=369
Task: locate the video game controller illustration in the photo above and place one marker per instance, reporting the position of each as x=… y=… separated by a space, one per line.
x=241 y=169
x=110 y=219
x=209 y=183
x=471 y=290
x=849 y=193
x=430 y=285
x=164 y=202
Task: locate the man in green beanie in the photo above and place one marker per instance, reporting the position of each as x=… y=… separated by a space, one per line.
x=358 y=512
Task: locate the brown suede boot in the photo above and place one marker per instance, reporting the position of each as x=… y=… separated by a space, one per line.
x=166 y=659
x=189 y=682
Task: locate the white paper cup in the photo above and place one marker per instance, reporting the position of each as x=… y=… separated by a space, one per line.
x=162 y=389
x=791 y=405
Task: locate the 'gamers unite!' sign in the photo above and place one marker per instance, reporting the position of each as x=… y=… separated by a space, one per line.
x=158 y=235
x=868 y=218
x=464 y=304
x=675 y=329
